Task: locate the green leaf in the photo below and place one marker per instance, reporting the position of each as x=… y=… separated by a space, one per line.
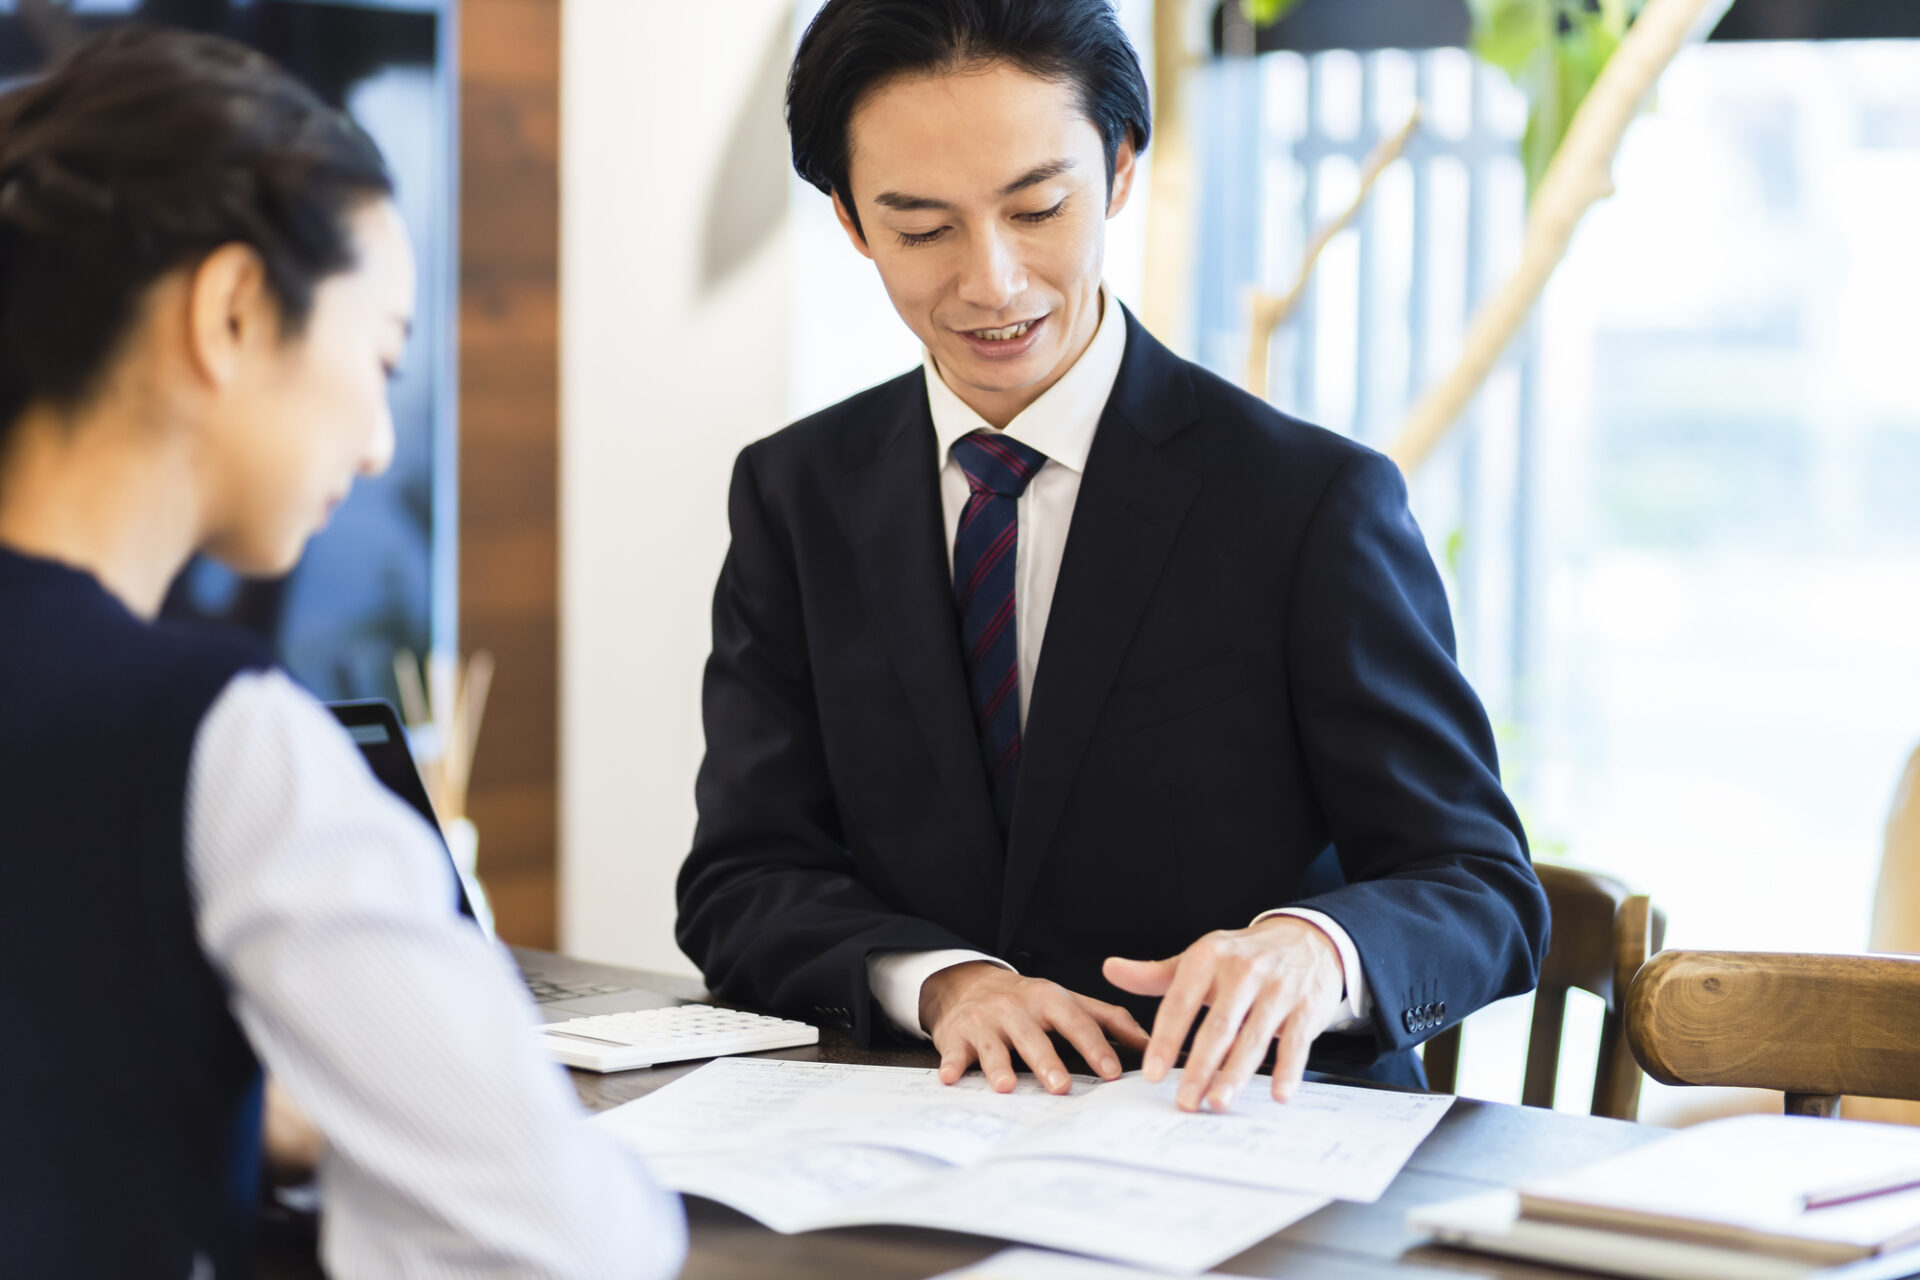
x=1576 y=59
x=1454 y=553
x=1512 y=34
x=1554 y=50
x=1264 y=13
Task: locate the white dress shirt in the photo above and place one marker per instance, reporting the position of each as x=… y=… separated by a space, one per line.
x=1061 y=425
x=453 y=1147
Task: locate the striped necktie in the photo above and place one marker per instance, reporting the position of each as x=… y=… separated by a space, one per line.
x=997 y=470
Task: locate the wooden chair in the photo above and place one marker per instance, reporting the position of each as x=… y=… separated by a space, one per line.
x=1812 y=1026
x=1896 y=919
x=1602 y=934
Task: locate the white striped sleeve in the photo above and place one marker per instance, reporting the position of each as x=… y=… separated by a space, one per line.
x=453 y=1147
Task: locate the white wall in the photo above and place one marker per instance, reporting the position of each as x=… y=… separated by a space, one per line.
x=665 y=374
x=672 y=163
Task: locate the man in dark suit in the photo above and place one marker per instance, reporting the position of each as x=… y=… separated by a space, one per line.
x=1059 y=649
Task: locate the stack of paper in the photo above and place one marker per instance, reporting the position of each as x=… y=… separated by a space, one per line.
x=1109 y=1169
x=1746 y=1198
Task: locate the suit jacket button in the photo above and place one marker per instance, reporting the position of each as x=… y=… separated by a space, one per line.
x=1442 y=1009
x=1409 y=1021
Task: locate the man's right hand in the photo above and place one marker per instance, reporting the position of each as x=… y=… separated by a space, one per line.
x=978 y=1012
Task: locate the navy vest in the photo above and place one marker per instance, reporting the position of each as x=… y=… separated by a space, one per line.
x=129 y=1097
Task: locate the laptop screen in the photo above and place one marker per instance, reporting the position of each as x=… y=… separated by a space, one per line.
x=375 y=729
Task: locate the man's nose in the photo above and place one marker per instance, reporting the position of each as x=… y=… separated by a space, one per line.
x=991 y=277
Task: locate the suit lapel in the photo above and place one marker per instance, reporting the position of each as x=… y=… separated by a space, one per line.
x=891 y=502
x=1130 y=508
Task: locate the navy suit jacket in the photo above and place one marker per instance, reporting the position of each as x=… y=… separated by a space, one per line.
x=1246 y=698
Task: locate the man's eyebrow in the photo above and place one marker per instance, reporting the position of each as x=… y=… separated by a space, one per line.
x=909 y=204
x=1037 y=175
x=1031 y=178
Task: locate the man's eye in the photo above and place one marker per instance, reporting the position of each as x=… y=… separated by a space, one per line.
x=1045 y=215
x=923 y=237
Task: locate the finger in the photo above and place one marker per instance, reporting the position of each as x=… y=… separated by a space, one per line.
x=956 y=1055
x=1218 y=1030
x=995 y=1065
x=1039 y=1054
x=1249 y=1048
x=1290 y=1056
x=1077 y=1023
x=1176 y=1014
x=1141 y=977
x=1120 y=1024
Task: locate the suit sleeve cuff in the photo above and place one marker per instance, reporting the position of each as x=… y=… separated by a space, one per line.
x=1358 y=1005
x=896 y=977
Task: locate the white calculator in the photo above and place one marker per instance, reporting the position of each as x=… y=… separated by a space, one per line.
x=646 y=1037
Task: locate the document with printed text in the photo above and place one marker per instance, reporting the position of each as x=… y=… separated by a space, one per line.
x=1112 y=1170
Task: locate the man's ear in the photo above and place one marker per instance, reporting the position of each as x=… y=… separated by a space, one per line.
x=1124 y=168
x=847 y=225
x=229 y=309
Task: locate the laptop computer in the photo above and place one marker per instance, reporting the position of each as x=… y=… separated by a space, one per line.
x=560 y=988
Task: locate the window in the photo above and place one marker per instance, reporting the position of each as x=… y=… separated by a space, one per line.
x=1681 y=526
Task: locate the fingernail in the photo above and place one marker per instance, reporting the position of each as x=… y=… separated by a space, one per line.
x=1155 y=1069
x=1222 y=1099
x=1109 y=1066
x=1057 y=1080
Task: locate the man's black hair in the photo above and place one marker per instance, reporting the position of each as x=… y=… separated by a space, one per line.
x=854 y=46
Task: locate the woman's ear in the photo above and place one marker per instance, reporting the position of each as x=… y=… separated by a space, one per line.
x=230 y=311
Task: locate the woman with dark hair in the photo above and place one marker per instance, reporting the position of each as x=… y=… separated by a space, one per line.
x=204 y=286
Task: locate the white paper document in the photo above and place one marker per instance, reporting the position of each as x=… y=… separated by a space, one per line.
x=758 y=1103
x=1157 y=1220
x=1043 y=1264
x=1330 y=1140
x=1112 y=1170
x=1172 y=1224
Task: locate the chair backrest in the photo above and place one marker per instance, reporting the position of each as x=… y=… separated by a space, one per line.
x=1896 y=919
x=1602 y=934
x=1812 y=1026
x=1896 y=899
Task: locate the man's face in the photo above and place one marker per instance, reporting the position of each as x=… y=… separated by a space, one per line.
x=983 y=198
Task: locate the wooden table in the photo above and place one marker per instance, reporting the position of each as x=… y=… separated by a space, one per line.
x=1477 y=1146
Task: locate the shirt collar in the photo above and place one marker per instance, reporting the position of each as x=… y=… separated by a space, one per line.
x=1060 y=423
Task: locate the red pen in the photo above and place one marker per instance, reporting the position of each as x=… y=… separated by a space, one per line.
x=1884 y=1185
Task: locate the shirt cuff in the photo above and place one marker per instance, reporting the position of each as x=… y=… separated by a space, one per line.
x=1358 y=1005
x=896 y=977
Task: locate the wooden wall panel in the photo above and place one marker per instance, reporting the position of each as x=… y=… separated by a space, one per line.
x=509 y=441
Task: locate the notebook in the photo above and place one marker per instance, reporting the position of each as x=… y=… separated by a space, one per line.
x=1491 y=1223
x=1743 y=1183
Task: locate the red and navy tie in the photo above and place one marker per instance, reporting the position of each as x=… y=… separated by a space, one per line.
x=997 y=470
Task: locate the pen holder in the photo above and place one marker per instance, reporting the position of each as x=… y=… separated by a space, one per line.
x=463 y=842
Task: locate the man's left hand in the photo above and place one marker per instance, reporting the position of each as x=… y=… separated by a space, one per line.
x=1279 y=980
